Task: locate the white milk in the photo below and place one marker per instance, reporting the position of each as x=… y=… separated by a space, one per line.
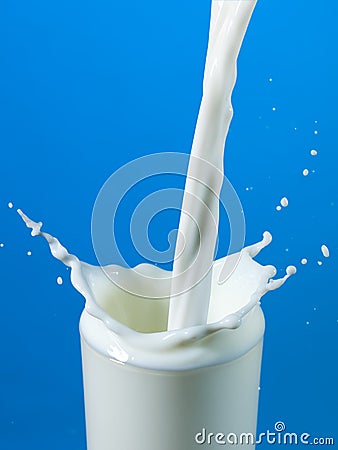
x=184 y=354
x=149 y=388
x=325 y=250
x=198 y=228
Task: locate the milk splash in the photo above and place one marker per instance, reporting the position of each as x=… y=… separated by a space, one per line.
x=125 y=317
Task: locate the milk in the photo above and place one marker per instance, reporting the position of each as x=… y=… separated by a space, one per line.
x=149 y=388
x=130 y=408
x=178 y=353
x=198 y=228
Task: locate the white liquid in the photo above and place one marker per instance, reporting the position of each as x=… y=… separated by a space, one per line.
x=325 y=251
x=198 y=228
x=313 y=152
x=131 y=399
x=305 y=172
x=284 y=202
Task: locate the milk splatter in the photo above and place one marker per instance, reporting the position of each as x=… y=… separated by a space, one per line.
x=284 y=202
x=325 y=251
x=149 y=349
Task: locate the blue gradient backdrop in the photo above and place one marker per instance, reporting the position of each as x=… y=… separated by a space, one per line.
x=86 y=87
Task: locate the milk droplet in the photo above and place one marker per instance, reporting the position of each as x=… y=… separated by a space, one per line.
x=10 y=205
x=29 y=253
x=270 y=79
x=59 y=280
x=305 y=172
x=314 y=152
x=274 y=109
x=284 y=202
x=278 y=208
x=2 y=244
x=307 y=323
x=325 y=251
x=315 y=132
x=304 y=261
x=320 y=263
x=291 y=270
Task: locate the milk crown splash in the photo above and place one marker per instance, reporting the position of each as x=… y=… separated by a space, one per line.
x=151 y=346
x=198 y=228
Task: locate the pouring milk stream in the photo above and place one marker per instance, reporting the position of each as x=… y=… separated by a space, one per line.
x=198 y=228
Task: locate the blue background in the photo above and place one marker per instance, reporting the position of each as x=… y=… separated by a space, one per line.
x=88 y=86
